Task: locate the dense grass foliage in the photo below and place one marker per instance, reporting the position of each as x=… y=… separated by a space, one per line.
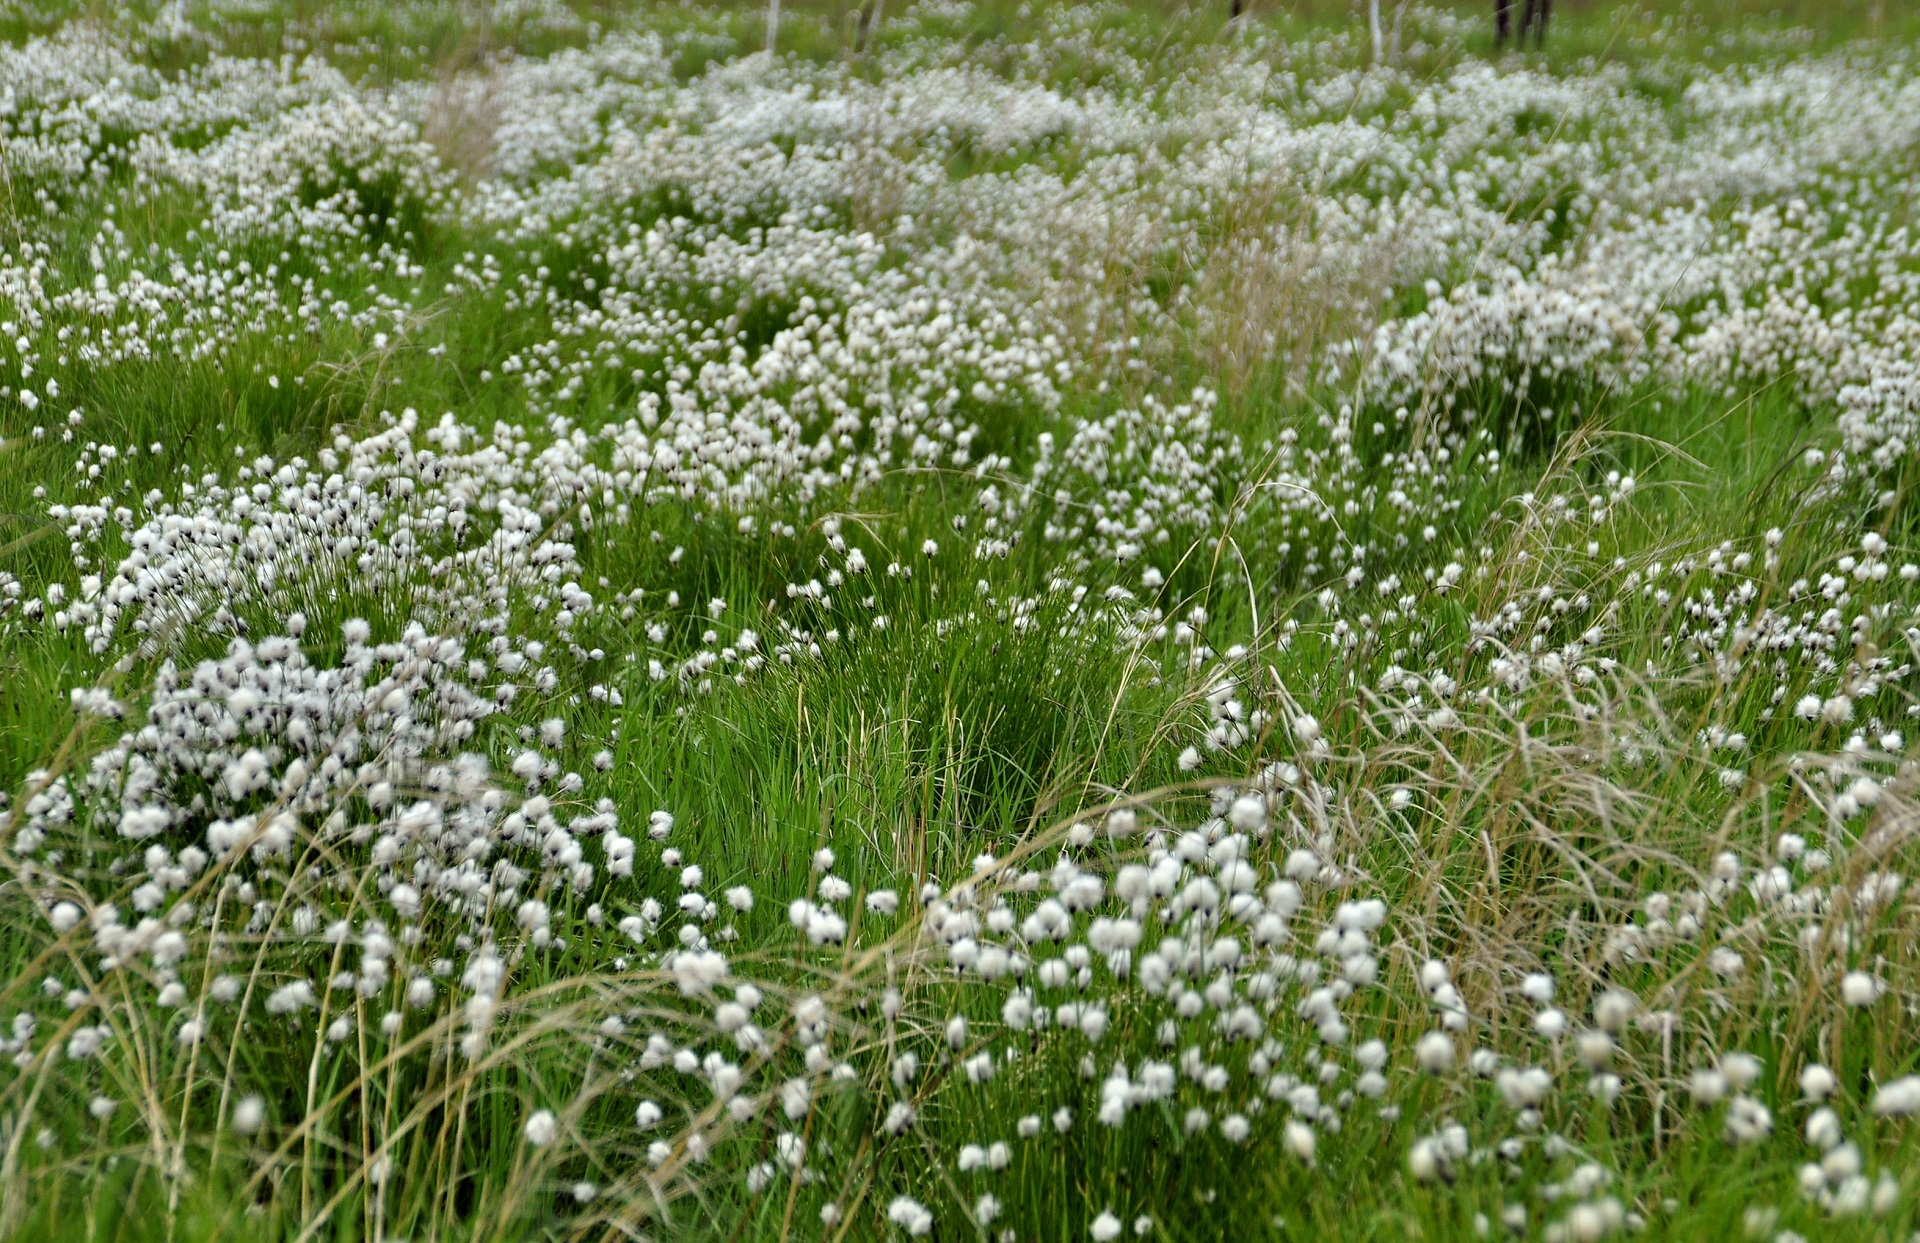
x=1014 y=621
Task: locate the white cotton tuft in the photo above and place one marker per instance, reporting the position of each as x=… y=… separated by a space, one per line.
x=249 y=1113
x=910 y=1215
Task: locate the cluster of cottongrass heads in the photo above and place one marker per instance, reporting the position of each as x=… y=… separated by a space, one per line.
x=295 y=865
x=1508 y=853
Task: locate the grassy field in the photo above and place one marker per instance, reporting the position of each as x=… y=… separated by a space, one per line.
x=1025 y=621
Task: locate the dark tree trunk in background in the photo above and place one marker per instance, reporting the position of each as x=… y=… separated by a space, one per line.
x=1533 y=17
x=864 y=31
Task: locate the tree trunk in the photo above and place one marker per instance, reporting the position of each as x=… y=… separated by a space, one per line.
x=1373 y=24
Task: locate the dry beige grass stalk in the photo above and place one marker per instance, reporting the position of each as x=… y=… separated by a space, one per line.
x=463 y=110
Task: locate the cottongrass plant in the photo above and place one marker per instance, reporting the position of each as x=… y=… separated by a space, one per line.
x=1384 y=930
x=1103 y=629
